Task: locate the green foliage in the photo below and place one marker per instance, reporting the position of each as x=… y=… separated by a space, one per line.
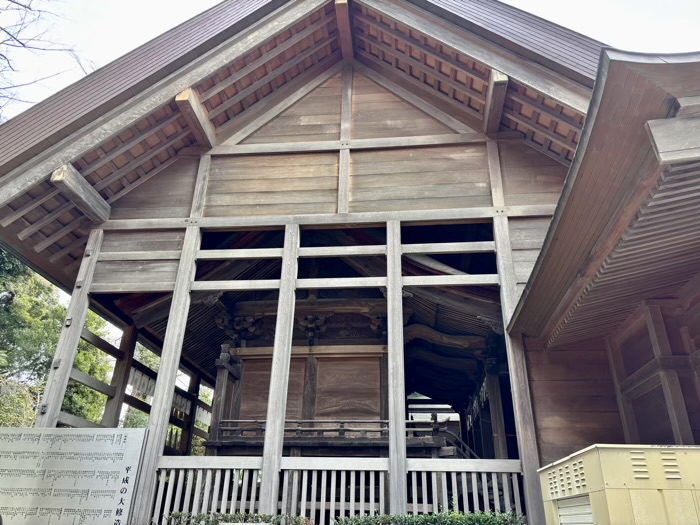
x=17 y=404
x=30 y=326
x=444 y=518
x=135 y=418
x=183 y=518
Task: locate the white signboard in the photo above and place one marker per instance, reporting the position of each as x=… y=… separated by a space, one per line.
x=60 y=476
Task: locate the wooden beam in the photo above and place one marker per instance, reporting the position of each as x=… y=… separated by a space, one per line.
x=196 y=117
x=78 y=190
x=515 y=348
x=469 y=214
x=190 y=419
x=675 y=140
x=67 y=346
x=398 y=486
x=342 y=15
x=120 y=377
x=279 y=375
x=627 y=415
x=130 y=112
x=345 y=125
x=495 y=100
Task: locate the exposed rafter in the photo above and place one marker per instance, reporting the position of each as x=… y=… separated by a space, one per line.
x=196 y=116
x=342 y=14
x=495 y=100
x=86 y=198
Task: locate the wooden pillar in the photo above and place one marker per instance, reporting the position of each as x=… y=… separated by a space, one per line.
x=670 y=384
x=627 y=416
x=344 y=154
x=279 y=375
x=191 y=418
x=308 y=404
x=515 y=348
x=170 y=356
x=498 y=426
x=67 y=347
x=120 y=377
x=222 y=394
x=398 y=485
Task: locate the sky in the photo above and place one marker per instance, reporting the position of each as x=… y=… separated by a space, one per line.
x=102 y=30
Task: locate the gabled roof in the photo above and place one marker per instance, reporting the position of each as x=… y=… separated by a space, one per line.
x=122 y=125
x=83 y=101
x=626 y=226
x=561 y=49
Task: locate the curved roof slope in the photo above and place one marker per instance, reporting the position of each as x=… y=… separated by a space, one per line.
x=547 y=43
x=82 y=102
x=614 y=236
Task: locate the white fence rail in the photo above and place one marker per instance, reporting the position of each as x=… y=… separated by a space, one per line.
x=465 y=485
x=323 y=489
x=206 y=485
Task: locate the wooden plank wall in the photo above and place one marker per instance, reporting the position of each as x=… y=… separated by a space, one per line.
x=116 y=271
x=256 y=387
x=167 y=195
x=526 y=240
x=272 y=185
x=573 y=399
x=528 y=176
x=315 y=117
x=419 y=179
x=348 y=388
x=378 y=113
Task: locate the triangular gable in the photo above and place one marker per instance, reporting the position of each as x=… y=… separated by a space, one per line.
x=314 y=117
x=376 y=112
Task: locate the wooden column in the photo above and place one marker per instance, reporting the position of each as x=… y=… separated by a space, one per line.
x=670 y=384
x=191 y=418
x=279 y=375
x=398 y=485
x=344 y=154
x=498 y=426
x=120 y=377
x=223 y=393
x=67 y=347
x=308 y=404
x=627 y=416
x=515 y=348
x=170 y=355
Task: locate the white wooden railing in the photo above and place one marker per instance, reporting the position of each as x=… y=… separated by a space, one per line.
x=204 y=485
x=323 y=489
x=465 y=485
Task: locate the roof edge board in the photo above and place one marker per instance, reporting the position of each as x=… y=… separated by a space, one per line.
x=474 y=27
x=567 y=92
x=609 y=58
x=81 y=141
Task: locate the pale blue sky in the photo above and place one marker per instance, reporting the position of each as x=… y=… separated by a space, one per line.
x=102 y=30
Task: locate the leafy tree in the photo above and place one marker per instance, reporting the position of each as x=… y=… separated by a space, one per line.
x=30 y=325
x=135 y=418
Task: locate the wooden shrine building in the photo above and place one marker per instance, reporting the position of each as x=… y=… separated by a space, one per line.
x=418 y=248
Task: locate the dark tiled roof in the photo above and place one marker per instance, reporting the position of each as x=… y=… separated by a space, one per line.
x=561 y=49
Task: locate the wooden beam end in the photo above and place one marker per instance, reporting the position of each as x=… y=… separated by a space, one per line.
x=495 y=100
x=78 y=190
x=197 y=117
